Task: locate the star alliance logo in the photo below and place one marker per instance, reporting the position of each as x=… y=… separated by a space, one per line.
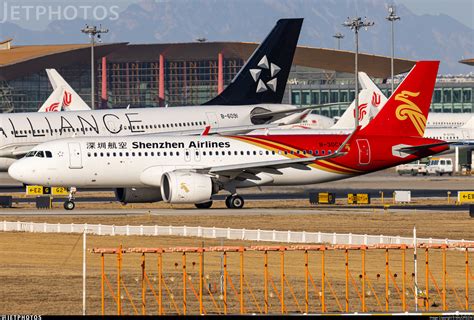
x=272 y=83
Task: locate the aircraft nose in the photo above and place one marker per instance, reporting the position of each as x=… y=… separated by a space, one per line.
x=17 y=170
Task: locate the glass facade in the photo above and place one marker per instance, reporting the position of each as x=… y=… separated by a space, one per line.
x=451 y=97
x=193 y=82
x=128 y=83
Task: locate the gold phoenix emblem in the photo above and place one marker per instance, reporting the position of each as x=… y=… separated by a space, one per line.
x=410 y=110
x=184 y=187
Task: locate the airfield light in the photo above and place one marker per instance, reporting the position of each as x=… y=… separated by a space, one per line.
x=392 y=17
x=338 y=36
x=355 y=24
x=93 y=31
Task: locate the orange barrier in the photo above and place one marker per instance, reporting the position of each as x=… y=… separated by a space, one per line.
x=246 y=287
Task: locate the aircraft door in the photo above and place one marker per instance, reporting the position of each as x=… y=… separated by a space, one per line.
x=364 y=151
x=75 y=157
x=187 y=155
x=212 y=119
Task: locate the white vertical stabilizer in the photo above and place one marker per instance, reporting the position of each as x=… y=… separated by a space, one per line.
x=70 y=100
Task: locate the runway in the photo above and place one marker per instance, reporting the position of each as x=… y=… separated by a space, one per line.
x=316 y=210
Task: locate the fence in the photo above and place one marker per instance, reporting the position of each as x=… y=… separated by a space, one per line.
x=284 y=279
x=226 y=233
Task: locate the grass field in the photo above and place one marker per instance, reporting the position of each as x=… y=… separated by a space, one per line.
x=41 y=273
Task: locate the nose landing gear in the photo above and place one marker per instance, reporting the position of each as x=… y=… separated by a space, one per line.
x=234 y=202
x=69 y=203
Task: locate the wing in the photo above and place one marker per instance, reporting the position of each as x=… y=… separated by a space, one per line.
x=210 y=131
x=245 y=170
x=16 y=151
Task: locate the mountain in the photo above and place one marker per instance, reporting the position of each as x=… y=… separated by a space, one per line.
x=417 y=37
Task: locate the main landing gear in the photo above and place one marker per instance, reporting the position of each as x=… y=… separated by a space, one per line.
x=69 y=203
x=234 y=202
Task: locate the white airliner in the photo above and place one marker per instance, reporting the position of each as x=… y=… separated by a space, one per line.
x=252 y=98
x=192 y=169
x=371 y=100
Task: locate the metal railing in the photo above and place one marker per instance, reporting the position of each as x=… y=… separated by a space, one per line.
x=213 y=233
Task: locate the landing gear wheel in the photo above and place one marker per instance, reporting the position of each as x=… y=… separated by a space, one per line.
x=69 y=205
x=204 y=205
x=235 y=202
x=227 y=201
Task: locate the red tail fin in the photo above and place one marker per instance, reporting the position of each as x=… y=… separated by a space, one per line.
x=406 y=111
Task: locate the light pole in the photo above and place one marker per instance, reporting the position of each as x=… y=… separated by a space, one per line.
x=355 y=24
x=392 y=17
x=92 y=31
x=338 y=36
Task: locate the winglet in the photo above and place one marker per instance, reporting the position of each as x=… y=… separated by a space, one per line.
x=206 y=130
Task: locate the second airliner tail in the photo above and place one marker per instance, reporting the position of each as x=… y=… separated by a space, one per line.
x=263 y=78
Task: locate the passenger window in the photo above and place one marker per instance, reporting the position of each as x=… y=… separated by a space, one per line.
x=171 y=153
x=255 y=153
x=95 y=154
x=139 y=154
x=316 y=152
x=323 y=152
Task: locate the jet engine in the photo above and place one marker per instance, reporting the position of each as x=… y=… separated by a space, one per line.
x=138 y=195
x=187 y=187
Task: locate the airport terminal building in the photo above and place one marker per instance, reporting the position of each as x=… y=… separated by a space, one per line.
x=175 y=74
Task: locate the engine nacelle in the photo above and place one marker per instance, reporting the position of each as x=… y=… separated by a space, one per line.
x=138 y=195
x=187 y=187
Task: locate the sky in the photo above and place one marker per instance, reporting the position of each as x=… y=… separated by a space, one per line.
x=461 y=10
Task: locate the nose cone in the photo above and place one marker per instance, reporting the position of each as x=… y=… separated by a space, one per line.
x=17 y=170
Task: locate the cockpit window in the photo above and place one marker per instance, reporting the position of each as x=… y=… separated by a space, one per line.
x=39 y=154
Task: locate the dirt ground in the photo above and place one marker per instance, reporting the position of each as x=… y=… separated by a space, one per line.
x=42 y=273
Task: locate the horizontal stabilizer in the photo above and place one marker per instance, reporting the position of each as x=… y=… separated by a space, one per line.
x=423 y=146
